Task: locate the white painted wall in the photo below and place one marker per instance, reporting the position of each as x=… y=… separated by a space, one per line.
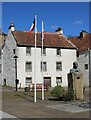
x=90 y=67
x=68 y=57
x=8 y=60
x=82 y=60
x=1 y=64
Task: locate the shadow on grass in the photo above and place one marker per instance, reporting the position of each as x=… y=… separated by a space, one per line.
x=55 y=99
x=37 y=96
x=24 y=97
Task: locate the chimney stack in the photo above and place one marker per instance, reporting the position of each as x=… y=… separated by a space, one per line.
x=83 y=33
x=59 y=31
x=11 y=27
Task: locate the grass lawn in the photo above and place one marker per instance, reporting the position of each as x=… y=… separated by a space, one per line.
x=8 y=95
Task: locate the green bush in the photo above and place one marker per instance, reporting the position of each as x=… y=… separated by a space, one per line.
x=69 y=96
x=58 y=91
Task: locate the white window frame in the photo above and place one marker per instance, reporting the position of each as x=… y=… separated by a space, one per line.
x=58 y=52
x=28 y=81
x=28 y=67
x=58 y=80
x=58 y=66
x=0 y=68
x=86 y=66
x=44 y=66
x=28 y=50
x=0 y=53
x=44 y=51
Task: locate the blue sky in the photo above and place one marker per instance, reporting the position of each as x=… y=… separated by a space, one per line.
x=72 y=17
x=0 y=15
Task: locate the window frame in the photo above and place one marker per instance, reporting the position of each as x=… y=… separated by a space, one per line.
x=44 y=51
x=58 y=81
x=57 y=69
x=0 y=53
x=58 y=51
x=30 y=67
x=0 y=68
x=44 y=66
x=28 y=50
x=86 y=66
x=27 y=83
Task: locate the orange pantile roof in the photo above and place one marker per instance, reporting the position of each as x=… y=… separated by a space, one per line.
x=82 y=43
x=2 y=39
x=50 y=39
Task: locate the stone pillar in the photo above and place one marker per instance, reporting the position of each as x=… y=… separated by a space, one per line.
x=78 y=85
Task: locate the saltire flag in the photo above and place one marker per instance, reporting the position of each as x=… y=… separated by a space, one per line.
x=32 y=27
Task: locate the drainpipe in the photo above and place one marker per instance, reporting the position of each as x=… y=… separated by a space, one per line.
x=89 y=70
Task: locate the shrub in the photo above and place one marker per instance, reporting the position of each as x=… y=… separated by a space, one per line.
x=69 y=96
x=58 y=91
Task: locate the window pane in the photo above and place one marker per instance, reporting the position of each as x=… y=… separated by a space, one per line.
x=59 y=66
x=28 y=66
x=0 y=68
x=58 y=80
x=14 y=51
x=28 y=81
x=86 y=66
x=0 y=54
x=44 y=51
x=44 y=66
x=58 y=51
x=28 y=50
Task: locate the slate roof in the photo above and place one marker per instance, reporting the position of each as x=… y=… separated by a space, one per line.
x=82 y=43
x=50 y=39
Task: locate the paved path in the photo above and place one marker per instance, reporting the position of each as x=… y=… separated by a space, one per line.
x=22 y=106
x=5 y=115
x=73 y=108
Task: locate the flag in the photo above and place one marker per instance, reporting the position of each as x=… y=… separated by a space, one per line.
x=32 y=26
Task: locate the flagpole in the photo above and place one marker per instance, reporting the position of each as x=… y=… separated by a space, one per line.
x=35 y=60
x=42 y=63
x=2 y=64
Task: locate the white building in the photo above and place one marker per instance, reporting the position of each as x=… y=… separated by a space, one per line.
x=83 y=42
x=58 y=57
x=2 y=39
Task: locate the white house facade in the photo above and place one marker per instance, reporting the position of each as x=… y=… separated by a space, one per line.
x=2 y=39
x=84 y=58
x=83 y=61
x=58 y=57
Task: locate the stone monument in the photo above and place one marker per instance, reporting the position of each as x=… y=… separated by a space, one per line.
x=75 y=81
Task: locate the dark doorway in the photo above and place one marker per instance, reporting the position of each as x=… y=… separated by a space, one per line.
x=47 y=81
x=4 y=82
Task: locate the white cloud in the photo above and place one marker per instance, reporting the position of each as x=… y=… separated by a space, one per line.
x=54 y=27
x=78 y=22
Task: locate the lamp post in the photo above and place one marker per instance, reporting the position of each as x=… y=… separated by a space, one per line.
x=16 y=80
